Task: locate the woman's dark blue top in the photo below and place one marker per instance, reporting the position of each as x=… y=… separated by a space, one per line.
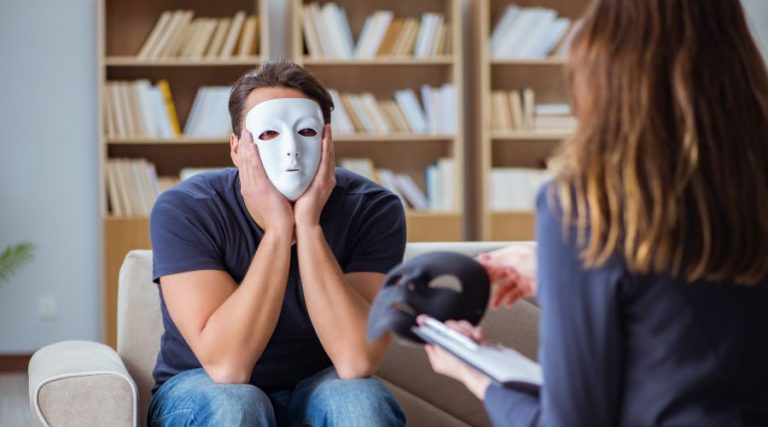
x=619 y=349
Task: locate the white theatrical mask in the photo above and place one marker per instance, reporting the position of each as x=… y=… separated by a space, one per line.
x=288 y=133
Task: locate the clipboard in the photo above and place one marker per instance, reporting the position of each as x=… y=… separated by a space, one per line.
x=501 y=364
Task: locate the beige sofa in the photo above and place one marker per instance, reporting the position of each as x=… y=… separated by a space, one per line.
x=82 y=383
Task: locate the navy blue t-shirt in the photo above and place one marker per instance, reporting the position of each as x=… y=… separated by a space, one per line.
x=203 y=224
x=622 y=349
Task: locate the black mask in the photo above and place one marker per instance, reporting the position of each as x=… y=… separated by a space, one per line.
x=444 y=285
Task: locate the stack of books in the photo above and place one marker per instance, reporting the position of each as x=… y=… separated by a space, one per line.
x=517 y=111
x=404 y=114
x=530 y=33
x=515 y=189
x=327 y=34
x=209 y=116
x=178 y=34
x=133 y=187
x=553 y=118
x=439 y=183
x=139 y=109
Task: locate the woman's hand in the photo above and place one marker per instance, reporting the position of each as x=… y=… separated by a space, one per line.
x=447 y=364
x=512 y=271
x=267 y=206
x=310 y=204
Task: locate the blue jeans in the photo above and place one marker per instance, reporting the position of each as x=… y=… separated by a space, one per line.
x=323 y=399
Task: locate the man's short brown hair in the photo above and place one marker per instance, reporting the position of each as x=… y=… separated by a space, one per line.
x=277 y=73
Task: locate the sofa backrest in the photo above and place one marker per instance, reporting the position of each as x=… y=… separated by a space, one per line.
x=426 y=397
x=139 y=322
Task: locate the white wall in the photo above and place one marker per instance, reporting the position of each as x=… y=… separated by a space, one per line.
x=48 y=169
x=757 y=13
x=49 y=163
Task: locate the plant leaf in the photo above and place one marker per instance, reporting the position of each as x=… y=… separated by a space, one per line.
x=15 y=257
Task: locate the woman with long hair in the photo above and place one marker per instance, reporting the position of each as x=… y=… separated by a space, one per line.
x=652 y=256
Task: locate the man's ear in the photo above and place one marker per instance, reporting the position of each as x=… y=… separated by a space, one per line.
x=234 y=142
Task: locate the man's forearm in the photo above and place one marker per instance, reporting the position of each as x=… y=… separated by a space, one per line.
x=338 y=311
x=239 y=330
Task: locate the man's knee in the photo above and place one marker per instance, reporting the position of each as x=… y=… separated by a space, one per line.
x=194 y=398
x=363 y=401
x=235 y=404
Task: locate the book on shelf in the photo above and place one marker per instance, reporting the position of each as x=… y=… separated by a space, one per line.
x=362 y=166
x=327 y=34
x=249 y=40
x=365 y=114
x=372 y=35
x=516 y=110
x=133 y=186
x=179 y=34
x=439 y=180
x=528 y=33
x=228 y=49
x=139 y=109
x=209 y=115
x=515 y=189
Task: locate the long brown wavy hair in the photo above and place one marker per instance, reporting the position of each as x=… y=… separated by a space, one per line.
x=669 y=165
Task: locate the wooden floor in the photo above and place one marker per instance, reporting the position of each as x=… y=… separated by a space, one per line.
x=14 y=403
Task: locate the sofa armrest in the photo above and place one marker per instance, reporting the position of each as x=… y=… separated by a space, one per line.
x=81 y=383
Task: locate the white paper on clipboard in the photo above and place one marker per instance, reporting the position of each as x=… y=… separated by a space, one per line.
x=503 y=365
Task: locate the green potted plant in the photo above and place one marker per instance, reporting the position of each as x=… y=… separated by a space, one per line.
x=13 y=258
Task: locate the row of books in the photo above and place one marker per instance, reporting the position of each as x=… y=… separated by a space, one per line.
x=515 y=189
x=178 y=34
x=439 y=180
x=363 y=113
x=209 y=116
x=530 y=32
x=516 y=110
x=133 y=186
x=139 y=109
x=327 y=34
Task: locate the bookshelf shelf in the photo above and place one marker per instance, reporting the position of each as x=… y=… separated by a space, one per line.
x=507 y=155
x=341 y=138
x=389 y=137
x=513 y=225
x=528 y=136
x=132 y=61
x=529 y=62
x=161 y=141
x=380 y=61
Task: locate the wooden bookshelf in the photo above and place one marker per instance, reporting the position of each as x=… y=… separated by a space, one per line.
x=132 y=61
x=382 y=76
x=123 y=26
x=514 y=148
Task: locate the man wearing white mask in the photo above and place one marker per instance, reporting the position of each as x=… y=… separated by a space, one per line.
x=267 y=272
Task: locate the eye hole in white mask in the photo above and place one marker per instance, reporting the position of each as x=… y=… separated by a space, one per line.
x=269 y=134
x=272 y=134
x=446 y=281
